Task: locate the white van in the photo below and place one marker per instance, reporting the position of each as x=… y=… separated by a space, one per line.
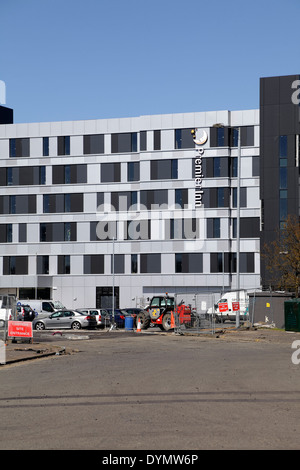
x=43 y=307
x=225 y=308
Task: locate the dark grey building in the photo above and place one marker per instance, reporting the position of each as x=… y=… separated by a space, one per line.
x=279 y=156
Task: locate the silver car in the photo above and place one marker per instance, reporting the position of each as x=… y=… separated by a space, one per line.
x=65 y=319
x=102 y=315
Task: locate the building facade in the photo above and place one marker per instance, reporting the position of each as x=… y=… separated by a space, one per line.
x=143 y=205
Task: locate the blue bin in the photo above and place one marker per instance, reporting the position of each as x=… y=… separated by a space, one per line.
x=128 y=323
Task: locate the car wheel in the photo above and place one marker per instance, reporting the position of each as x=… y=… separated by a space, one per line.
x=39 y=326
x=76 y=325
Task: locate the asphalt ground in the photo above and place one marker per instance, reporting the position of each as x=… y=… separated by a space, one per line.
x=49 y=343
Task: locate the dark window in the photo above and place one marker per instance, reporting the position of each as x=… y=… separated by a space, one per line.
x=54 y=203
x=249 y=227
x=164 y=169
x=93 y=144
x=247 y=136
x=182 y=229
x=103 y=230
x=110 y=172
x=15 y=265
x=19 y=204
x=124 y=143
x=181 y=197
x=143 y=141
x=150 y=263
x=117 y=264
x=58 y=231
x=19 y=147
x=183 y=139
x=124 y=201
x=23 y=176
x=255 y=166
x=243 y=197
x=42 y=264
x=138 y=229
x=157 y=140
x=133 y=171
x=63 y=145
x=45 y=146
x=22 y=233
x=69 y=174
x=5 y=233
x=188 y=263
x=213 y=228
x=134 y=264
x=63 y=264
x=153 y=197
x=93 y=264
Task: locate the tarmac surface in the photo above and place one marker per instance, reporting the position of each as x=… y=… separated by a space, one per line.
x=49 y=343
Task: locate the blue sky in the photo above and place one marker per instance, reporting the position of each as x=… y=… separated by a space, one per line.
x=91 y=59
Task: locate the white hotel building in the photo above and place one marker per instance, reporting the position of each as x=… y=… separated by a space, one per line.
x=69 y=192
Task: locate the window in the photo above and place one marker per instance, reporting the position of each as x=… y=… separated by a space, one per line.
x=22 y=233
x=93 y=264
x=63 y=145
x=124 y=143
x=69 y=174
x=103 y=230
x=19 y=204
x=19 y=148
x=157 y=140
x=247 y=136
x=138 y=229
x=229 y=265
x=5 y=233
x=133 y=171
x=45 y=146
x=150 y=263
x=134 y=264
x=249 y=227
x=124 y=201
x=143 y=140
x=220 y=136
x=188 y=263
x=181 y=197
x=152 y=199
x=110 y=172
x=183 y=139
x=182 y=229
x=23 y=176
x=63 y=264
x=243 y=197
x=164 y=169
x=255 y=166
x=117 y=264
x=42 y=264
x=15 y=265
x=214 y=228
x=58 y=231
x=54 y=203
x=93 y=144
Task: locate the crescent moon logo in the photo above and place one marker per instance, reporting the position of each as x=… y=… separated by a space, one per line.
x=202 y=139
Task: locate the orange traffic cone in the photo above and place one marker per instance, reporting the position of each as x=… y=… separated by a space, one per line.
x=139 y=327
x=172 y=320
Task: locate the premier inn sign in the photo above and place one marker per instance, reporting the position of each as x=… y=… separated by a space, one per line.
x=198 y=167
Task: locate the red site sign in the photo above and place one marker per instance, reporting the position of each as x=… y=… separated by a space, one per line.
x=223 y=306
x=235 y=306
x=20 y=329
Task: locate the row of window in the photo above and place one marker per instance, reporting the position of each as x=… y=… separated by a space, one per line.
x=174 y=229
x=213 y=167
x=151 y=199
x=143 y=263
x=127 y=142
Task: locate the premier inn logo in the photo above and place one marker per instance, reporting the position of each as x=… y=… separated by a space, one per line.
x=198 y=166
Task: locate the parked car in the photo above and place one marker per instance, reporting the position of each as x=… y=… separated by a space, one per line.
x=65 y=319
x=120 y=315
x=102 y=315
x=25 y=312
